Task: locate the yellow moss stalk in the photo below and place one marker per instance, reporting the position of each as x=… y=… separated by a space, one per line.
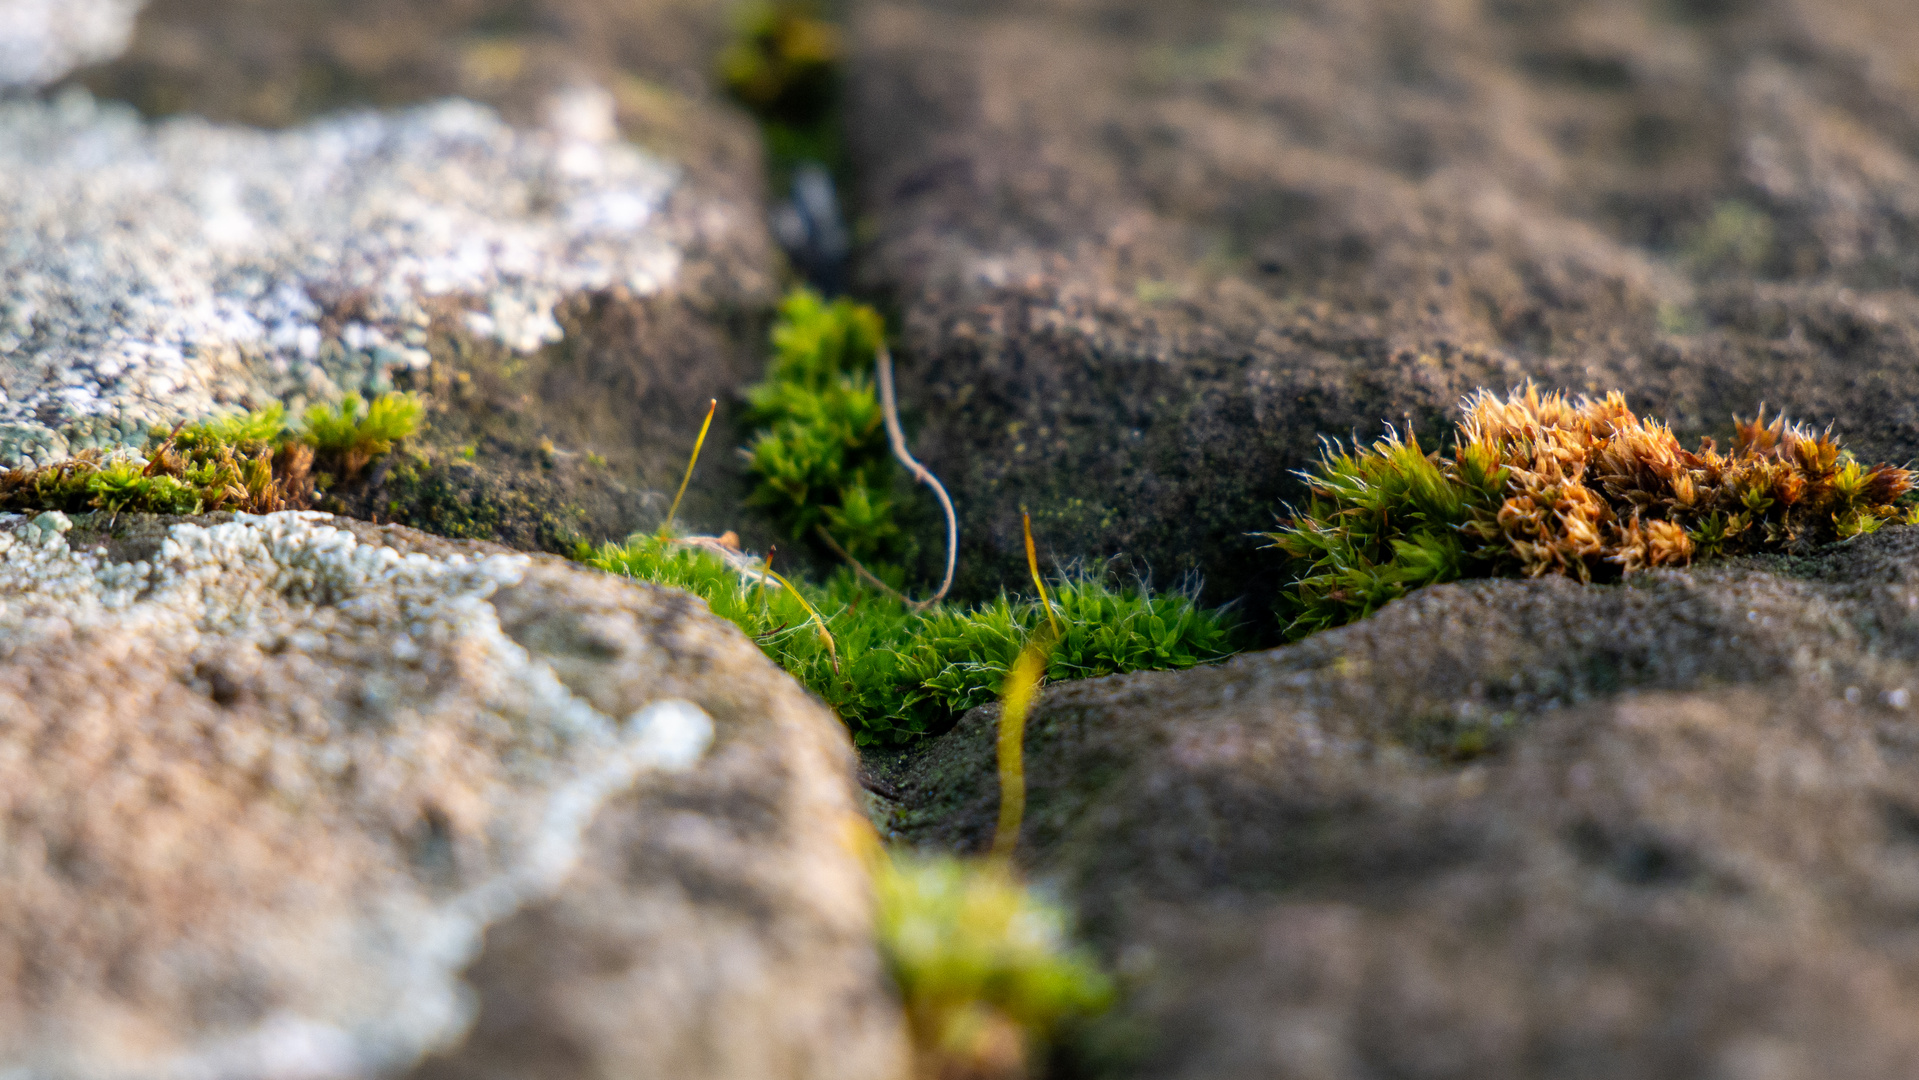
x=1016 y=701
x=712 y=407
x=1032 y=566
x=826 y=635
x=1022 y=687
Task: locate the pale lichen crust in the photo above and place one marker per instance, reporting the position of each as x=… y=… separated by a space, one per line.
x=157 y=273
x=41 y=40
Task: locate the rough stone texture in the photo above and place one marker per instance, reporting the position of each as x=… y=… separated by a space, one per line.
x=577 y=429
x=1147 y=253
x=265 y=784
x=293 y=266
x=1505 y=829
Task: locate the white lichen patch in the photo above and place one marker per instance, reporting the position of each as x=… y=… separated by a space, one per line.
x=385 y=682
x=156 y=273
x=41 y=40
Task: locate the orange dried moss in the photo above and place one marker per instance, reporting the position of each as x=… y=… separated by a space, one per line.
x=1550 y=484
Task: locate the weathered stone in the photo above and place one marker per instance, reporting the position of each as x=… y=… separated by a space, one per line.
x=554 y=228
x=1500 y=829
x=1148 y=254
x=296 y=266
x=271 y=784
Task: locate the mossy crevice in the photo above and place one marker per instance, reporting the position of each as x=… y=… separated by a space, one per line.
x=783 y=65
x=894 y=673
x=891 y=669
x=819 y=458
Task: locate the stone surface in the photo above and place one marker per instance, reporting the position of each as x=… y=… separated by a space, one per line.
x=552 y=226
x=1148 y=254
x=295 y=266
x=272 y=785
x=1523 y=829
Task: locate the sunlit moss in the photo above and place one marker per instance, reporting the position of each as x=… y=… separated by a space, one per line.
x=896 y=672
x=251 y=462
x=1547 y=484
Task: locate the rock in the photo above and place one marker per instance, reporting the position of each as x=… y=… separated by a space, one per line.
x=569 y=256
x=272 y=785
x=1147 y=255
x=1500 y=829
x=296 y=266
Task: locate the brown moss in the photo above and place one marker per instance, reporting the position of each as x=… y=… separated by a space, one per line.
x=1588 y=483
x=1549 y=484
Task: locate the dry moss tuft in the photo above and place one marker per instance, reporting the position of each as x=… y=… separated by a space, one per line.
x=1549 y=484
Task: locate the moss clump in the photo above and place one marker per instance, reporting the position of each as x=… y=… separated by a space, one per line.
x=984 y=967
x=783 y=64
x=1546 y=484
x=893 y=672
x=251 y=463
x=820 y=458
x=347 y=439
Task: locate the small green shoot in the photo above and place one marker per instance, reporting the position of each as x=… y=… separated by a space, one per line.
x=344 y=437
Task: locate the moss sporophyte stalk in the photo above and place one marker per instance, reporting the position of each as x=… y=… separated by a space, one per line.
x=985 y=967
x=1549 y=484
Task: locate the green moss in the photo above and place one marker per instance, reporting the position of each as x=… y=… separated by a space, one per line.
x=820 y=458
x=895 y=673
x=260 y=429
x=344 y=436
x=979 y=959
x=783 y=64
x=251 y=462
x=425 y=496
